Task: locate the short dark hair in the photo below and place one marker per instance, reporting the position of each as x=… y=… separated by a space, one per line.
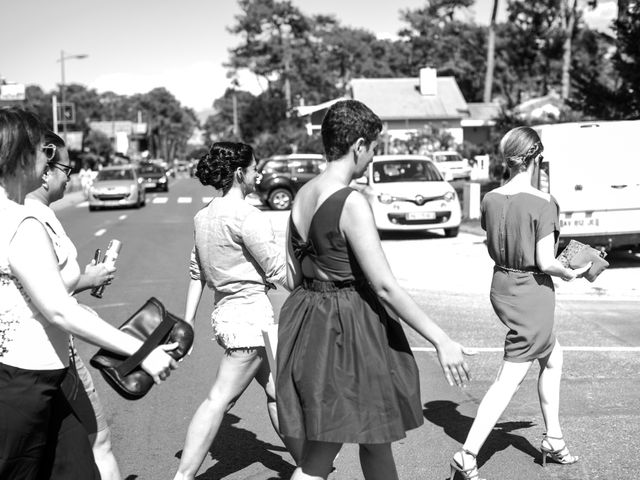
x=21 y=132
x=345 y=122
x=216 y=168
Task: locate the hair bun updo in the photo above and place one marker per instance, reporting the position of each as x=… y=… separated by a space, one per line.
x=217 y=167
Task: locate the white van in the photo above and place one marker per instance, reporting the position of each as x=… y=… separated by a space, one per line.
x=593 y=170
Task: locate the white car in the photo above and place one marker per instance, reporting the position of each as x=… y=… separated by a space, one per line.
x=451 y=165
x=407 y=192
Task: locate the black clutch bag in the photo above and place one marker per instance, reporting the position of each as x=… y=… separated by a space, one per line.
x=576 y=255
x=155 y=326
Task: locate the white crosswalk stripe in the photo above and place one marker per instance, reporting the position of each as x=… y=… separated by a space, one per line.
x=158 y=200
x=184 y=199
x=84 y=204
x=206 y=199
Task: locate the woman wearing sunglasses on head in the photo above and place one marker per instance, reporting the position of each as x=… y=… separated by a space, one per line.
x=54 y=183
x=38 y=437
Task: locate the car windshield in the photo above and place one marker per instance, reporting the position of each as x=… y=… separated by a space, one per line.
x=151 y=169
x=121 y=174
x=273 y=166
x=405 y=171
x=447 y=157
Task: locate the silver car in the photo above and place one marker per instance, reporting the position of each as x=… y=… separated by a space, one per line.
x=117 y=186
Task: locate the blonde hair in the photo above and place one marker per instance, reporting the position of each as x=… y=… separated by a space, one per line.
x=519 y=147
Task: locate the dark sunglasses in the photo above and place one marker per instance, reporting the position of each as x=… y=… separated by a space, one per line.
x=66 y=169
x=49 y=151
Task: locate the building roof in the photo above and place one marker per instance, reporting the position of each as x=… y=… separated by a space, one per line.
x=482 y=114
x=400 y=98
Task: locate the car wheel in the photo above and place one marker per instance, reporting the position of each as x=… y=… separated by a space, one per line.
x=92 y=208
x=451 y=232
x=280 y=199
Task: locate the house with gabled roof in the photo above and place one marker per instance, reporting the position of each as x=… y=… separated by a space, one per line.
x=404 y=109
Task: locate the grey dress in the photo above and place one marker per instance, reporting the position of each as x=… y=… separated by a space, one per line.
x=521 y=295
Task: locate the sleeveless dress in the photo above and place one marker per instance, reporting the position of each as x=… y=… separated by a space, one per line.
x=521 y=295
x=345 y=371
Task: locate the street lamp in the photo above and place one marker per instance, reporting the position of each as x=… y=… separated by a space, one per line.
x=64 y=57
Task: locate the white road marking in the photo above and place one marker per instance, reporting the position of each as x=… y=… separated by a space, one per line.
x=122 y=217
x=160 y=200
x=564 y=348
x=100 y=232
x=83 y=204
x=184 y=199
x=206 y=199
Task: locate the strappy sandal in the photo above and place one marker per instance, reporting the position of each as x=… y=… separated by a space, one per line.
x=560 y=455
x=470 y=473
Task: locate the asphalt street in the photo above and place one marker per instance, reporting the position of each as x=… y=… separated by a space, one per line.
x=597 y=323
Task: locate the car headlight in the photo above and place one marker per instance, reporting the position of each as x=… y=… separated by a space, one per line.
x=385 y=198
x=162 y=180
x=449 y=196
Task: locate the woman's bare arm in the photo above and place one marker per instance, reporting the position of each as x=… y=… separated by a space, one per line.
x=358 y=225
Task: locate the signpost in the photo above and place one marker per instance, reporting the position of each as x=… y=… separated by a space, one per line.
x=66 y=113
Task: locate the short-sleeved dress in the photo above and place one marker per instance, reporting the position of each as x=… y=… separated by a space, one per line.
x=522 y=296
x=345 y=371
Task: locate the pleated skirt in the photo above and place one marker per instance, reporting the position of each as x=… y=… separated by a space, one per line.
x=345 y=372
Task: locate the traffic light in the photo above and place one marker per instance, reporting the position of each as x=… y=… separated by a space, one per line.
x=66 y=113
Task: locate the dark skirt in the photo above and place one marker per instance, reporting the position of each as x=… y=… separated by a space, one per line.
x=345 y=373
x=40 y=437
x=525 y=303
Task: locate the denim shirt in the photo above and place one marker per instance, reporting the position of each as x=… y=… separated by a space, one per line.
x=235 y=251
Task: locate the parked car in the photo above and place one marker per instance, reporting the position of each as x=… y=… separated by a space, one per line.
x=451 y=165
x=154 y=177
x=117 y=186
x=407 y=192
x=281 y=176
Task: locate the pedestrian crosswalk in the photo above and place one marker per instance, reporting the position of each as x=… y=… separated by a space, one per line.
x=164 y=199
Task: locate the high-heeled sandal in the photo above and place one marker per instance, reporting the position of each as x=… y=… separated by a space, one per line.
x=560 y=455
x=470 y=473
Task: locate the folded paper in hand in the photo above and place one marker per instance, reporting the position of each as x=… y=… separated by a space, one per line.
x=576 y=255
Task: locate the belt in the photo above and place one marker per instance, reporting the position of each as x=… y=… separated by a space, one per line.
x=509 y=269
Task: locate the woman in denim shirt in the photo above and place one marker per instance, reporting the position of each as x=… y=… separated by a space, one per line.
x=236 y=255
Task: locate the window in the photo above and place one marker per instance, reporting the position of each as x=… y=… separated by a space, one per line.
x=405 y=171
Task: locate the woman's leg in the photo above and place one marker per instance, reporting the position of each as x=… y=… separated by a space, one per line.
x=236 y=370
x=549 y=390
x=495 y=401
x=295 y=446
x=317 y=461
x=105 y=459
x=377 y=462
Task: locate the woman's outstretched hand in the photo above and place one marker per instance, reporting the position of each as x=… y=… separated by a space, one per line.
x=159 y=364
x=451 y=356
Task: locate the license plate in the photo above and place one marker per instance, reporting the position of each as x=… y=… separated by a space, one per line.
x=580 y=222
x=420 y=215
x=151 y=184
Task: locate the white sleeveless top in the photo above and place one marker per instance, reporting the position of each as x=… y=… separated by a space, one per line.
x=27 y=339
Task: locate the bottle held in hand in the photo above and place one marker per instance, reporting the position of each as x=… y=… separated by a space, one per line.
x=110 y=257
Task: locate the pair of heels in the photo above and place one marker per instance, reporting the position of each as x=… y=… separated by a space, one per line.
x=469 y=472
x=560 y=455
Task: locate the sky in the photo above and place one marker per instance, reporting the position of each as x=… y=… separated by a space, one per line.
x=134 y=46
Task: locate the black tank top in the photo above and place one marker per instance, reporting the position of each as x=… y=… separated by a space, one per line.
x=325 y=245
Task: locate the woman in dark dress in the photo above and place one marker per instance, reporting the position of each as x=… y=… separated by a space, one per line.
x=345 y=369
x=522 y=232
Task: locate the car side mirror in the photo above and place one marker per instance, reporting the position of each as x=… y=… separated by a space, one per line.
x=363 y=180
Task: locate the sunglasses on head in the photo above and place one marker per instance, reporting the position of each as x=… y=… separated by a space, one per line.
x=66 y=169
x=49 y=151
